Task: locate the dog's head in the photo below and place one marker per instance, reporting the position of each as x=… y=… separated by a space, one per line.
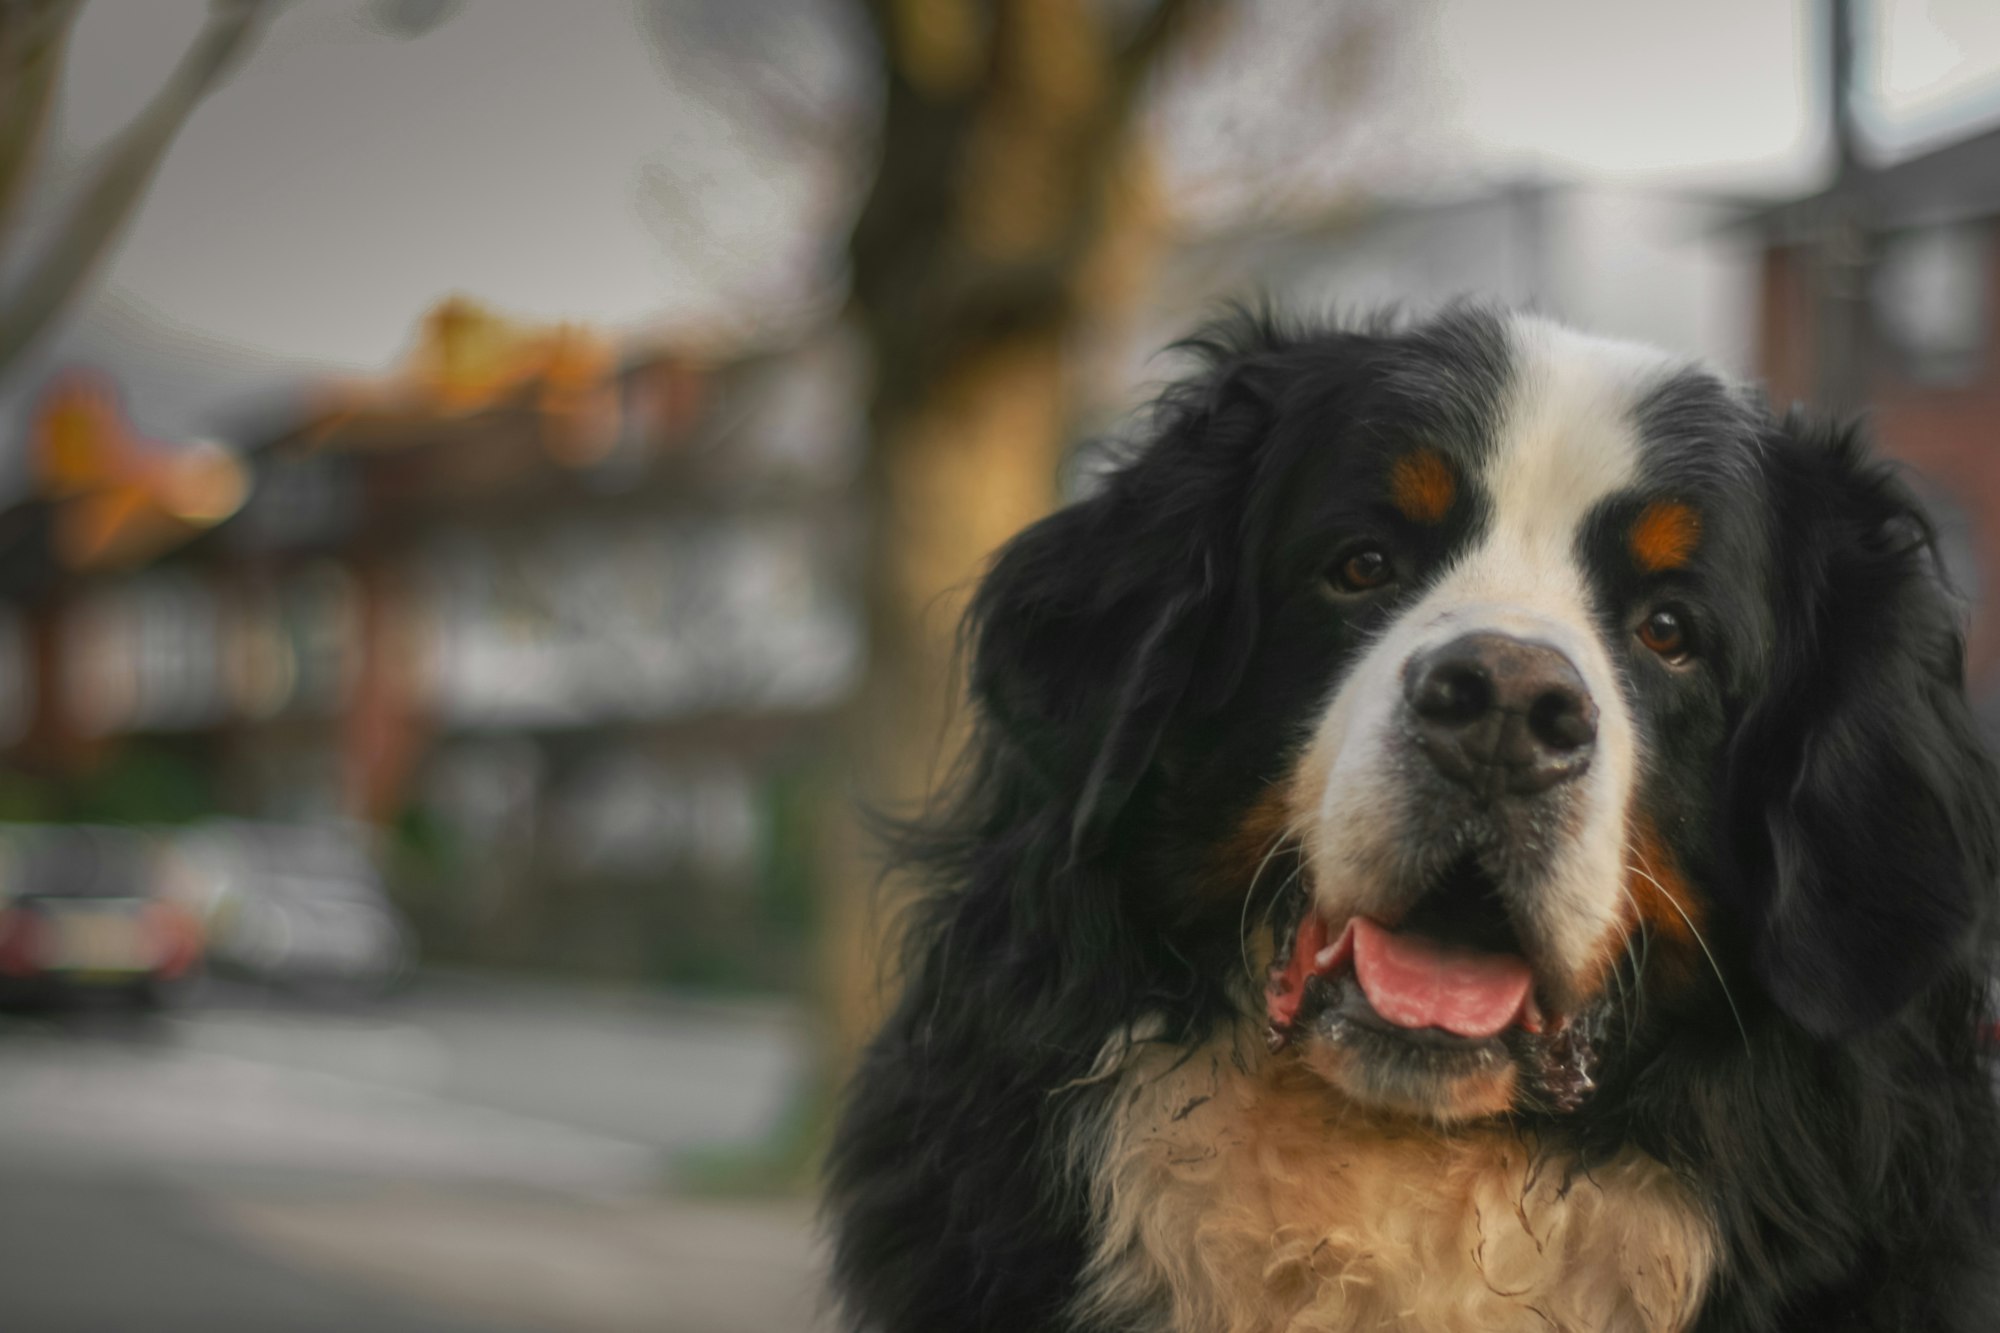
x=1535 y=687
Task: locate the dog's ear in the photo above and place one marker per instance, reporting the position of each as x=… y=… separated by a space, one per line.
x=1874 y=851
x=1096 y=625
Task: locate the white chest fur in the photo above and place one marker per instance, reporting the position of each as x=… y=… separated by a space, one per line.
x=1235 y=1192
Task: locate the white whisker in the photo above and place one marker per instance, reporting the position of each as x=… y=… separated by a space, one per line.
x=1639 y=868
x=1250 y=892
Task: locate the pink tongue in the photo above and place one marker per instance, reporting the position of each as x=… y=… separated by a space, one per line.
x=1418 y=983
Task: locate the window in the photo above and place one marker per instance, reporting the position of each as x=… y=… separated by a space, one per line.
x=1931 y=297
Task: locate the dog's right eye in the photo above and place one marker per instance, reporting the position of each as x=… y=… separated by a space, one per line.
x=1362 y=569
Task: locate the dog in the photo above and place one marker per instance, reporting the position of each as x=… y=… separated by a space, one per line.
x=1471 y=826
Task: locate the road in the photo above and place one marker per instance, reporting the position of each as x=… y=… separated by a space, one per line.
x=471 y=1157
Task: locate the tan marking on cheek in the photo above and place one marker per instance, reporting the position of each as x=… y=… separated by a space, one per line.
x=1663 y=898
x=1664 y=536
x=1422 y=486
x=1250 y=854
x=1661 y=902
x=1658 y=900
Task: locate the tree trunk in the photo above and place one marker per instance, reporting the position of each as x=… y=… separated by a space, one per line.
x=33 y=35
x=1010 y=222
x=961 y=470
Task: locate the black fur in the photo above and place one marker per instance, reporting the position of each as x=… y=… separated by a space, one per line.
x=1143 y=663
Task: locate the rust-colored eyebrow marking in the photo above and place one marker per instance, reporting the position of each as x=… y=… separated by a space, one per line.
x=1422 y=486
x=1664 y=536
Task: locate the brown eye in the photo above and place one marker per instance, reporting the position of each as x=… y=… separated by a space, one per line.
x=1363 y=570
x=1665 y=632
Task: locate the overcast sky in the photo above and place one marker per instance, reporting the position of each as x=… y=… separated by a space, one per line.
x=552 y=160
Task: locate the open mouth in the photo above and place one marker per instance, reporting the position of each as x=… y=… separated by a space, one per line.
x=1450 y=972
x=1442 y=997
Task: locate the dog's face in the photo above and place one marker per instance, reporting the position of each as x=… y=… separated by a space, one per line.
x=1543 y=596
x=1523 y=680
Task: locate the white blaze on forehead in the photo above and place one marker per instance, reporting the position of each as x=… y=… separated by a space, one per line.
x=1568 y=436
x=1566 y=439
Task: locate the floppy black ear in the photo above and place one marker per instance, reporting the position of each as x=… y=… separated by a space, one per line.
x=1097 y=624
x=1877 y=800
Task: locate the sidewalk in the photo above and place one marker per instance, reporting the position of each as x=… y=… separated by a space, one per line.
x=587 y=1266
x=476 y=1156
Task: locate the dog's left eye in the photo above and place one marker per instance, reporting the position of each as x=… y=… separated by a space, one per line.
x=1665 y=631
x=1362 y=569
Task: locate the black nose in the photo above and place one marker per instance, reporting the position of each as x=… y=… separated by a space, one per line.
x=1501 y=715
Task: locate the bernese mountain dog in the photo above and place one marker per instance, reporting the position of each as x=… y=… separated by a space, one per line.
x=1470 y=827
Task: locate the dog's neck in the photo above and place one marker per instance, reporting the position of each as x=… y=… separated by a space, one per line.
x=1233 y=1190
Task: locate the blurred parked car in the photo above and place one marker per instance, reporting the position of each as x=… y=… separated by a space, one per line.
x=82 y=912
x=300 y=906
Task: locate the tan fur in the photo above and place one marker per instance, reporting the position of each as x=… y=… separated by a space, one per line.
x=1664 y=536
x=1237 y=1193
x=1422 y=486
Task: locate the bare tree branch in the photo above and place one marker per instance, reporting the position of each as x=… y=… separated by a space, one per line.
x=740 y=64
x=33 y=37
x=121 y=180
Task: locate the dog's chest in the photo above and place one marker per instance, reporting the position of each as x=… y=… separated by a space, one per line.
x=1253 y=1202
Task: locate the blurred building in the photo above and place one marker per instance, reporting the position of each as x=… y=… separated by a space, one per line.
x=1649 y=265
x=1929 y=269
x=560 y=618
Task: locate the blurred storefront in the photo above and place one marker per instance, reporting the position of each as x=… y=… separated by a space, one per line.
x=557 y=620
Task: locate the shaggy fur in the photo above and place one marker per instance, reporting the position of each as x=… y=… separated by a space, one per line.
x=1381 y=1223
x=1761 y=915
